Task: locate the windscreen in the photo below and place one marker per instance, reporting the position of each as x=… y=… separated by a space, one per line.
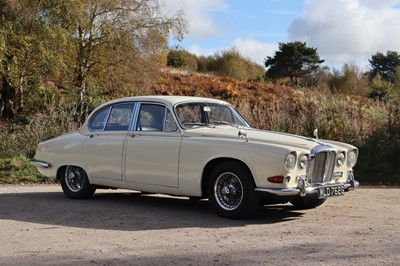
x=197 y=114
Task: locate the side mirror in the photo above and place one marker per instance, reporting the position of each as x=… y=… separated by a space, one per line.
x=315 y=133
x=243 y=135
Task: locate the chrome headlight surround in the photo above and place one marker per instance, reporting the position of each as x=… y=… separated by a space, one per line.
x=303 y=161
x=290 y=161
x=340 y=158
x=352 y=158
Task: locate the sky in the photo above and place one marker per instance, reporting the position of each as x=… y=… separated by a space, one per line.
x=343 y=31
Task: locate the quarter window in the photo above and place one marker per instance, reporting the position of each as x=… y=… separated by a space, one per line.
x=99 y=120
x=170 y=124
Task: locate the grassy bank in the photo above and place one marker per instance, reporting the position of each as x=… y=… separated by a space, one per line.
x=17 y=170
x=370 y=125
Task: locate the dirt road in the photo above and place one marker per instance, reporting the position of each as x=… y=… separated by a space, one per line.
x=39 y=226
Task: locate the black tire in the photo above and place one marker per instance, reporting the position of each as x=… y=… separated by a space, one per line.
x=75 y=183
x=230 y=190
x=310 y=201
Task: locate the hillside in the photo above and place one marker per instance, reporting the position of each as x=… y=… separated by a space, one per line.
x=352 y=119
x=373 y=126
x=276 y=107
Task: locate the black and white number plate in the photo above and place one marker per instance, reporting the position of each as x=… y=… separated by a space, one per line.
x=326 y=192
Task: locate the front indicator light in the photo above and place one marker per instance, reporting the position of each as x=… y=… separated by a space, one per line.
x=276 y=179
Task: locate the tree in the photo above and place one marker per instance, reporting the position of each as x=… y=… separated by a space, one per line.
x=26 y=39
x=111 y=34
x=293 y=60
x=79 y=45
x=385 y=65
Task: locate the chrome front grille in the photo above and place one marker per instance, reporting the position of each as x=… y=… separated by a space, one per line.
x=321 y=166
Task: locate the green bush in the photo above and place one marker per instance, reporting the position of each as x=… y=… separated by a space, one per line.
x=381 y=89
x=180 y=58
x=232 y=64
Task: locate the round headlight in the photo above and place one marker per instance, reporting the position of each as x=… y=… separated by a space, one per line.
x=340 y=159
x=290 y=161
x=303 y=161
x=352 y=158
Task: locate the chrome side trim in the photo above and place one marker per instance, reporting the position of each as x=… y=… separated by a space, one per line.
x=280 y=191
x=40 y=163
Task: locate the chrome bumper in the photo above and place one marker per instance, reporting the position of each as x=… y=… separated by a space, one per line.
x=40 y=163
x=302 y=190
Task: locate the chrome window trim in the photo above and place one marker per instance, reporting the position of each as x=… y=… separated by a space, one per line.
x=135 y=115
x=133 y=127
x=241 y=118
x=165 y=119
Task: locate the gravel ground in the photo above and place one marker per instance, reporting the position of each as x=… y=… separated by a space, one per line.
x=39 y=226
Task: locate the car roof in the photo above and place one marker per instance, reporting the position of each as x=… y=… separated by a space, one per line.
x=166 y=99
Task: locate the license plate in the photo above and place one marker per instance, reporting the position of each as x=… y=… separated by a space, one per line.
x=326 y=192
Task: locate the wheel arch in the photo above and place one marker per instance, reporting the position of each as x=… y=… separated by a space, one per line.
x=62 y=168
x=61 y=171
x=212 y=164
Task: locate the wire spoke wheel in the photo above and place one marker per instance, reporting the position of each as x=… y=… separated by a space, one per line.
x=75 y=183
x=75 y=178
x=228 y=191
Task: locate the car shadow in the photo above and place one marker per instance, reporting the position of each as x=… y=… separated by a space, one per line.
x=130 y=211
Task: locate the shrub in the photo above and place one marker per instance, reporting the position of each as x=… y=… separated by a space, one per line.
x=180 y=58
x=232 y=64
x=380 y=89
x=380 y=155
x=349 y=80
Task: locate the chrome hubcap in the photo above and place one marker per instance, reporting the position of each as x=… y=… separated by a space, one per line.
x=74 y=178
x=228 y=191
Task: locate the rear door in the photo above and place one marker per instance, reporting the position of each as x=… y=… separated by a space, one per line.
x=104 y=146
x=153 y=146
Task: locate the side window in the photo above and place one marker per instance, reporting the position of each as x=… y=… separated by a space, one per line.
x=120 y=117
x=170 y=125
x=99 y=120
x=151 y=117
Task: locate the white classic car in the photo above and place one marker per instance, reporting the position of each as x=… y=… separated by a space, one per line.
x=195 y=147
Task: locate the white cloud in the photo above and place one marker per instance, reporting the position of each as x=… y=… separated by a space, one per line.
x=198 y=15
x=255 y=50
x=249 y=48
x=197 y=50
x=348 y=30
